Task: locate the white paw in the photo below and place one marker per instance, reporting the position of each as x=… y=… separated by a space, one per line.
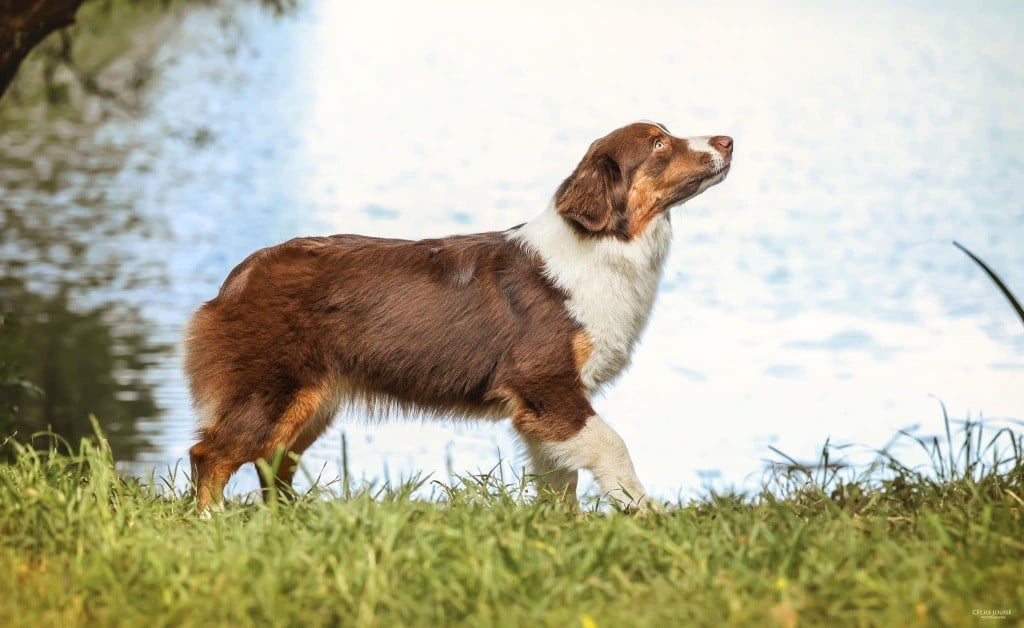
x=207 y=513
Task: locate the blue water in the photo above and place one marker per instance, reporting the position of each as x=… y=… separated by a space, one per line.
x=814 y=294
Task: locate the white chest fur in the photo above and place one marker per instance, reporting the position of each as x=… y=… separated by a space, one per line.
x=611 y=285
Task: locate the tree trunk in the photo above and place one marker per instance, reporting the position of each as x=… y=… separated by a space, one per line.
x=25 y=23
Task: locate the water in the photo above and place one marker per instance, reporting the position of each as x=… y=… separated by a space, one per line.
x=814 y=294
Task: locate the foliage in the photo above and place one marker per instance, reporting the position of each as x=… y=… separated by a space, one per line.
x=108 y=57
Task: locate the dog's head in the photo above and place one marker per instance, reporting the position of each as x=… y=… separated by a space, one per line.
x=633 y=174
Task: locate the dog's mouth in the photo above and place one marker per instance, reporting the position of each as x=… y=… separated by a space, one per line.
x=716 y=176
x=697 y=186
x=720 y=171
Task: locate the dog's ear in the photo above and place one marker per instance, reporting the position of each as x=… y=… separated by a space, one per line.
x=594 y=194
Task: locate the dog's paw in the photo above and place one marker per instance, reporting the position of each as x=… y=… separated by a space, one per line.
x=643 y=506
x=206 y=514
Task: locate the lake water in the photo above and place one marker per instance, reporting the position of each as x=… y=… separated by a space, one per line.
x=814 y=294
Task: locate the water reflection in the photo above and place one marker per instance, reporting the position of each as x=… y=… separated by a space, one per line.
x=68 y=289
x=814 y=294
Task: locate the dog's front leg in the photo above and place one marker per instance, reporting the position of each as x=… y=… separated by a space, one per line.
x=559 y=480
x=599 y=449
x=589 y=444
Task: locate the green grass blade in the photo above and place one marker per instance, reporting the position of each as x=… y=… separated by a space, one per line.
x=995 y=278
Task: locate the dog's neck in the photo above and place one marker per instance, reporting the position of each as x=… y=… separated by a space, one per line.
x=611 y=284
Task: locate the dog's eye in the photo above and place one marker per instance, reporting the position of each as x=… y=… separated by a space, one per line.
x=658 y=145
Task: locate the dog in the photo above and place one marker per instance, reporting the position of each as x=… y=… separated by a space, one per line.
x=527 y=323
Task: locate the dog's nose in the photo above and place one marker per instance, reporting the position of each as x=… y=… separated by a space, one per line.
x=722 y=142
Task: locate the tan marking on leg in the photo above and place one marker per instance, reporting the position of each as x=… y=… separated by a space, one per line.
x=295 y=432
x=307 y=403
x=210 y=473
x=289 y=461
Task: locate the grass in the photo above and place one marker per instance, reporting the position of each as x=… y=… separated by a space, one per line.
x=893 y=546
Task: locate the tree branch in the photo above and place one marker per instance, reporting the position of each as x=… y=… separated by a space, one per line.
x=25 y=23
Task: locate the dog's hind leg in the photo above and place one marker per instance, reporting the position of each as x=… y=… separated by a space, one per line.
x=211 y=468
x=255 y=430
x=300 y=425
x=289 y=461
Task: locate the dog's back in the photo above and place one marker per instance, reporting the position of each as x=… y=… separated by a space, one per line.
x=299 y=329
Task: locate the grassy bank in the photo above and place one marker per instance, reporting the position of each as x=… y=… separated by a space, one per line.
x=80 y=545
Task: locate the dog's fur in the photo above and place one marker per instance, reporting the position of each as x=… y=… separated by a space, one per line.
x=526 y=323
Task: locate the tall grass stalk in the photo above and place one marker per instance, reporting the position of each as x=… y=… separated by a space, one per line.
x=1014 y=303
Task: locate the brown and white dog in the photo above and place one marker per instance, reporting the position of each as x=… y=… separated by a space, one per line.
x=527 y=323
